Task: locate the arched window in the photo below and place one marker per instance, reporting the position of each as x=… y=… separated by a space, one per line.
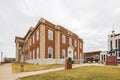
x=63 y=53
x=50 y=52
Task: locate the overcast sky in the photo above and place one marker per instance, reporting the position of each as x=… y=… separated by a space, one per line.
x=92 y=20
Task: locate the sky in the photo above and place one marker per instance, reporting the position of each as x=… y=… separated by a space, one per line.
x=92 y=20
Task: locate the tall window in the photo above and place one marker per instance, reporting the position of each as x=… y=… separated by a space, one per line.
x=111 y=44
x=37 y=35
x=75 y=55
x=119 y=44
x=37 y=53
x=33 y=54
x=75 y=43
x=63 y=39
x=63 y=53
x=30 y=41
x=50 y=52
x=33 y=39
x=30 y=55
x=80 y=45
x=70 y=41
x=50 y=35
x=116 y=43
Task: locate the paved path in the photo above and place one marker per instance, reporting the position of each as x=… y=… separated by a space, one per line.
x=6 y=72
x=24 y=74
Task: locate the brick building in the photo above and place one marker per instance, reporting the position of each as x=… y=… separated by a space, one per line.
x=92 y=56
x=48 y=43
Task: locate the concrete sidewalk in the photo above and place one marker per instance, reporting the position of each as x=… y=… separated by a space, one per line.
x=6 y=72
x=24 y=74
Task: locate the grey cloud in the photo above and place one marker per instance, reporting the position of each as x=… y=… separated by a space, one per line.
x=90 y=19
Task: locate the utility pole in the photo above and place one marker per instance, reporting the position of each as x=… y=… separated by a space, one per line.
x=1 y=56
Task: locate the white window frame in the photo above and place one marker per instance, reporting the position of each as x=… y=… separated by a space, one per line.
x=75 y=43
x=37 y=53
x=50 y=50
x=63 y=53
x=63 y=39
x=50 y=35
x=70 y=41
x=37 y=35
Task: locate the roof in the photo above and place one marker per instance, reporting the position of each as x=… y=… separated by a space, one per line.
x=49 y=24
x=117 y=34
x=16 y=37
x=92 y=52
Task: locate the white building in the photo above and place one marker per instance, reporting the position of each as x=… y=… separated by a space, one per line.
x=114 y=43
x=103 y=55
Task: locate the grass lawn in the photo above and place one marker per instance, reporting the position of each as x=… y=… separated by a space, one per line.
x=33 y=67
x=81 y=73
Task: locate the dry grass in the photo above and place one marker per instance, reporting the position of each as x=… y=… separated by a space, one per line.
x=81 y=73
x=33 y=67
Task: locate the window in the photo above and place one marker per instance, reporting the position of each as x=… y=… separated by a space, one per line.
x=30 y=56
x=75 y=43
x=75 y=55
x=30 y=41
x=33 y=54
x=37 y=35
x=119 y=44
x=116 y=43
x=37 y=53
x=111 y=45
x=63 y=39
x=33 y=39
x=50 y=52
x=80 y=45
x=70 y=41
x=50 y=35
x=63 y=53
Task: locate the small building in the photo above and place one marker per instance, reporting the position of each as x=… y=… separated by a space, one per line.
x=9 y=60
x=92 y=56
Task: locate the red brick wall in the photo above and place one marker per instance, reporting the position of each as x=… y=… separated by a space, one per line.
x=49 y=43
